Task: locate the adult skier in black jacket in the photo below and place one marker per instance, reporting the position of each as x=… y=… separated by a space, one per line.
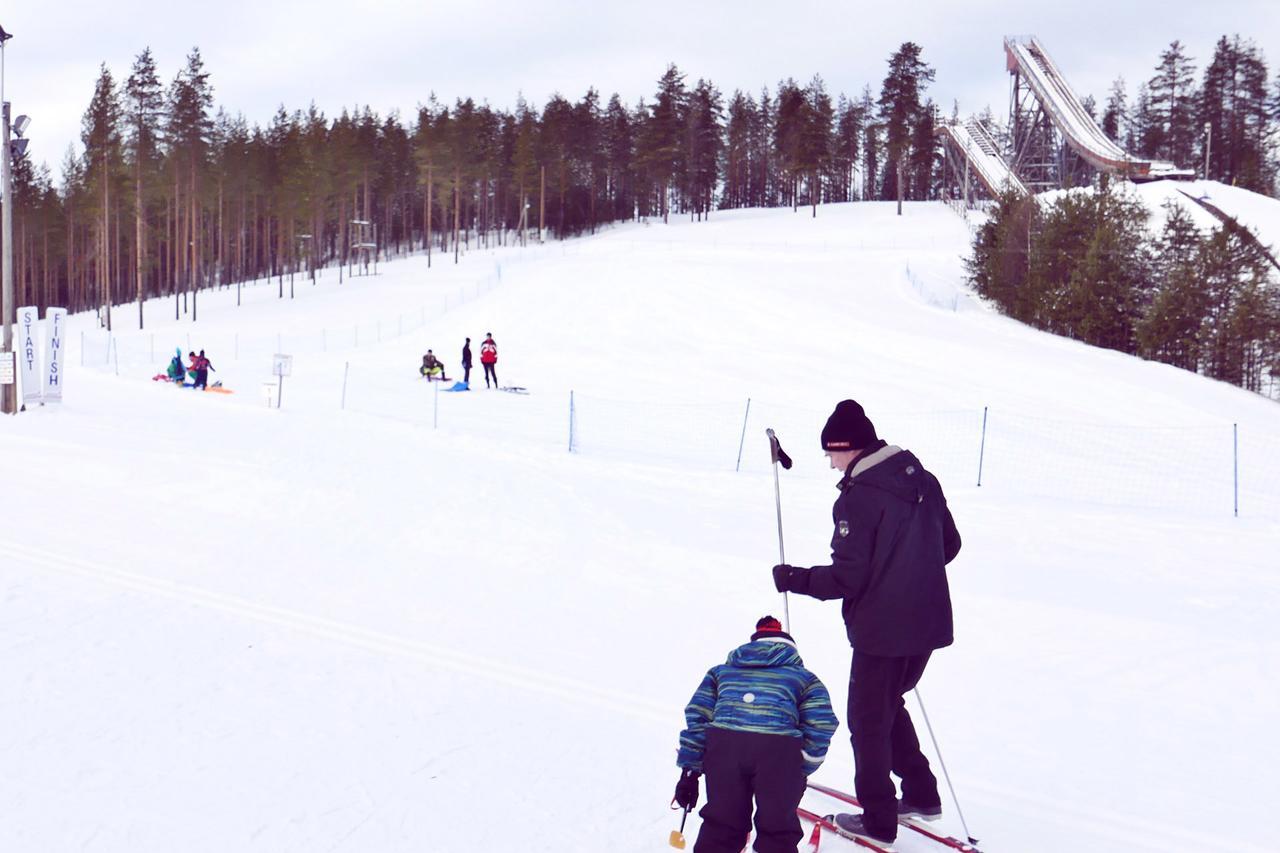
x=893 y=539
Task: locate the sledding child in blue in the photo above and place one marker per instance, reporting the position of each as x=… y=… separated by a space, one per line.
x=758 y=725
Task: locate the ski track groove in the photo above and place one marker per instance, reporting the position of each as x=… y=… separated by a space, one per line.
x=1142 y=833
x=549 y=684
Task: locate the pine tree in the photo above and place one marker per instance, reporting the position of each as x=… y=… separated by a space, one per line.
x=144 y=102
x=870 y=146
x=901 y=108
x=924 y=154
x=1233 y=102
x=817 y=138
x=619 y=145
x=738 y=150
x=1169 y=329
x=188 y=133
x=847 y=147
x=1173 y=100
x=101 y=134
x=661 y=147
x=706 y=143
x=1115 y=123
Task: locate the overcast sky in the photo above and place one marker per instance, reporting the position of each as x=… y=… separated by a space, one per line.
x=391 y=54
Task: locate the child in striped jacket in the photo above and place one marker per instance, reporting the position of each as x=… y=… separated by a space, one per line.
x=758 y=725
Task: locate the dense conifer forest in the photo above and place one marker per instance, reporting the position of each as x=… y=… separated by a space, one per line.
x=174 y=194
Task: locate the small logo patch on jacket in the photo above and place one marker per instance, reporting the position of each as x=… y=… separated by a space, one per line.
x=843 y=528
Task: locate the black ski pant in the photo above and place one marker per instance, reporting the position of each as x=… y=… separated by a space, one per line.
x=739 y=766
x=202 y=378
x=884 y=740
x=466 y=373
x=490 y=370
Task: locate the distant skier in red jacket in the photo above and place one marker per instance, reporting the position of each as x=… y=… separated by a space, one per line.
x=489 y=358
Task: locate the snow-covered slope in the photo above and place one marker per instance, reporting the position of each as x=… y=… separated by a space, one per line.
x=228 y=627
x=1259 y=213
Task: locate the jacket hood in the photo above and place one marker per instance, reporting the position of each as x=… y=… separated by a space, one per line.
x=765 y=653
x=890 y=469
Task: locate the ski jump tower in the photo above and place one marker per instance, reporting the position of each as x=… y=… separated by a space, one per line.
x=1053 y=141
x=1047 y=119
x=974 y=158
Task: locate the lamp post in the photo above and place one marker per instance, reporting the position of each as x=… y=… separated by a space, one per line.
x=1208 y=144
x=8 y=393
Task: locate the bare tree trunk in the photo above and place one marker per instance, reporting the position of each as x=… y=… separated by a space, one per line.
x=430 y=184
x=221 y=241
x=194 y=229
x=139 y=237
x=457 y=201
x=542 y=205
x=104 y=287
x=901 y=159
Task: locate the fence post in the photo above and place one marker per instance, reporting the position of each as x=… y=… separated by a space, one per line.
x=571 y=415
x=115 y=349
x=1235 y=466
x=153 y=346
x=742 y=440
x=237 y=358
x=346 y=368
x=435 y=412
x=982 y=449
x=82 y=348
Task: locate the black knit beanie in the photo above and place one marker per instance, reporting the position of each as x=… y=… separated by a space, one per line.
x=848 y=428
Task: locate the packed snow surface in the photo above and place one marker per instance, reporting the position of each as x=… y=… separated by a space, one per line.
x=385 y=618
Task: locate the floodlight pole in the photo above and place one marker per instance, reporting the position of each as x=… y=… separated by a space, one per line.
x=8 y=393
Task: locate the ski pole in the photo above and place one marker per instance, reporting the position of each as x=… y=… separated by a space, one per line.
x=677 y=835
x=780 y=456
x=943 y=765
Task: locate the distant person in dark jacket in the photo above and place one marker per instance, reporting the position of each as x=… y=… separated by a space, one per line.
x=758 y=726
x=466 y=362
x=894 y=537
x=489 y=358
x=202 y=367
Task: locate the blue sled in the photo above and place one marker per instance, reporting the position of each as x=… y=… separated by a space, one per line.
x=459 y=386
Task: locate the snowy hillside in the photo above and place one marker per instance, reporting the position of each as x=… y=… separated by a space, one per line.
x=382 y=618
x=1200 y=200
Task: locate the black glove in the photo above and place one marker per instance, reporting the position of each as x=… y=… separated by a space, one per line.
x=687 y=790
x=782 y=576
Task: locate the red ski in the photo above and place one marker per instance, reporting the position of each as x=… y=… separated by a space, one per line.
x=953 y=843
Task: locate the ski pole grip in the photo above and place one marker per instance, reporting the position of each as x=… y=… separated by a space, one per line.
x=775 y=449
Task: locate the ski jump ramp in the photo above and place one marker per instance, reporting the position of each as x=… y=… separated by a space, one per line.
x=1030 y=64
x=982 y=158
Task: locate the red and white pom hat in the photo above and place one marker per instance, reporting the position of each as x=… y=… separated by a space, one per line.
x=769 y=628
